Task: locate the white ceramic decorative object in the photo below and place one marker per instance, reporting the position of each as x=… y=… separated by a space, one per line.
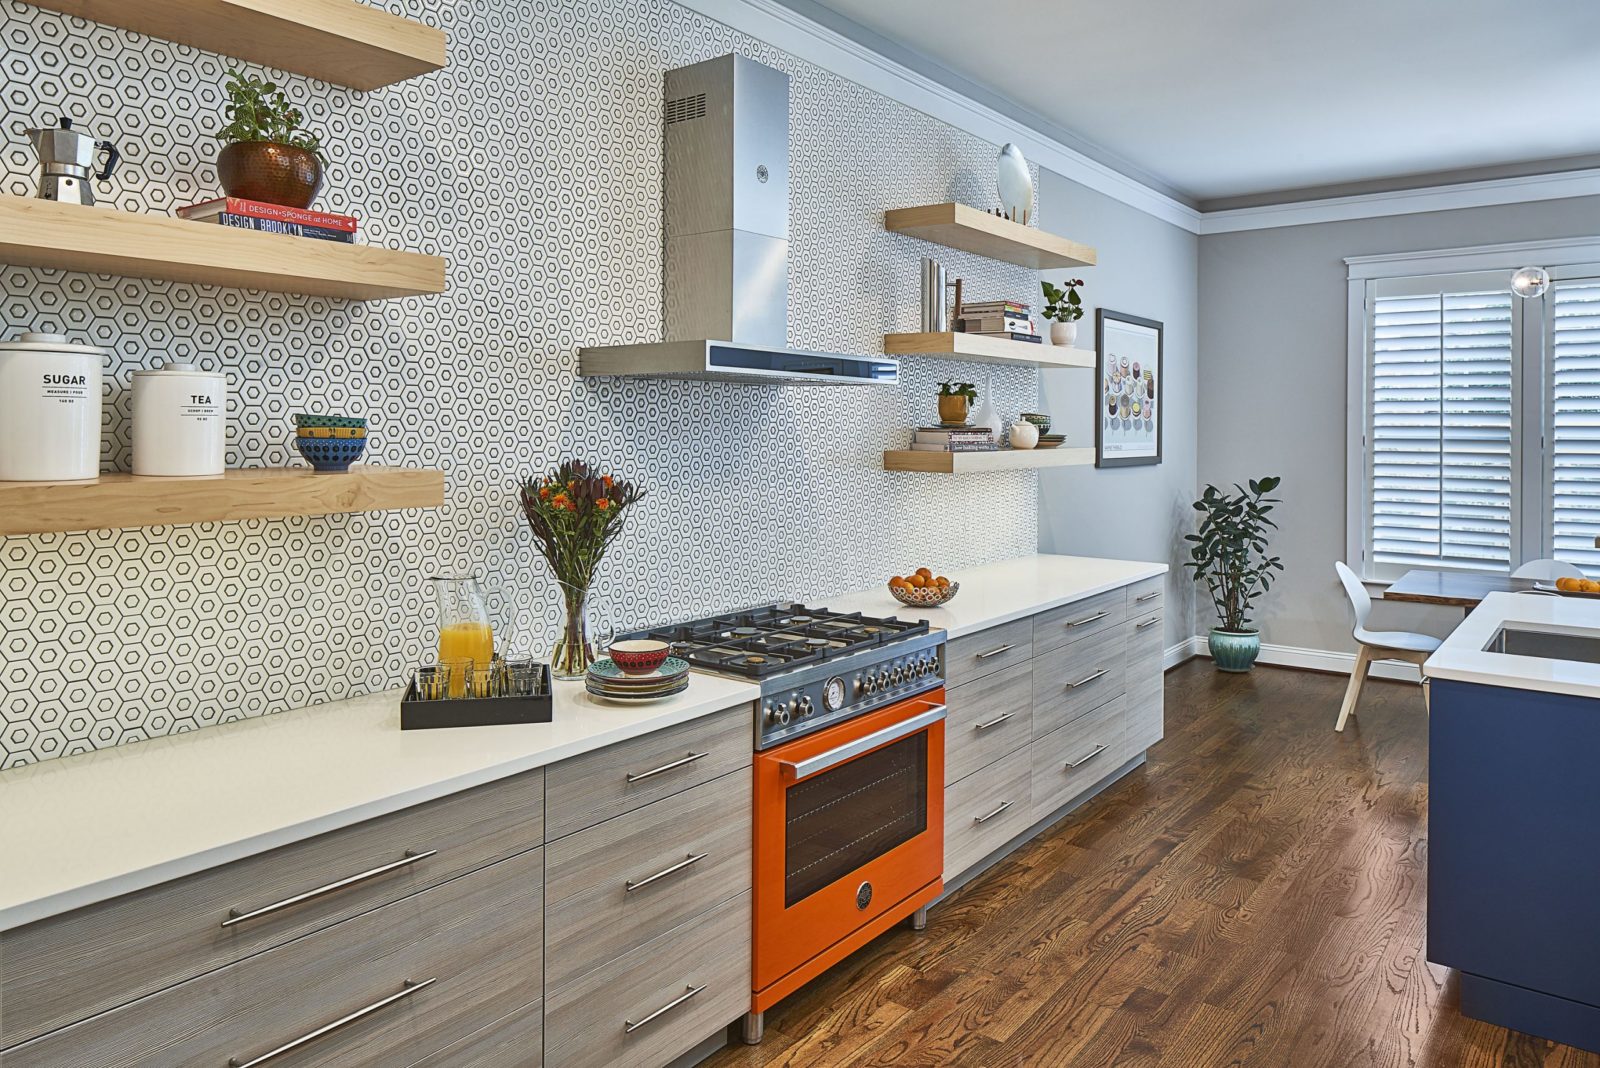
x=1024 y=435
x=49 y=409
x=179 y=421
x=1065 y=334
x=1014 y=183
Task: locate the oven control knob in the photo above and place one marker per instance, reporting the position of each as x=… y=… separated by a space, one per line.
x=870 y=684
x=805 y=706
x=883 y=679
x=899 y=675
x=768 y=714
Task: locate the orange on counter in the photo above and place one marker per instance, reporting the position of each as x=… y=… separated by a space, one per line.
x=920 y=579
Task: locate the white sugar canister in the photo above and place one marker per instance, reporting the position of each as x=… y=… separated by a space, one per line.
x=179 y=421
x=49 y=409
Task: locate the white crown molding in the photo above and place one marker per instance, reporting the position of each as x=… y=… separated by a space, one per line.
x=1507 y=257
x=783 y=28
x=1496 y=191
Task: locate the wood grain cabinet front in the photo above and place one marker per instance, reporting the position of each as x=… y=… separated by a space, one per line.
x=1073 y=758
x=67 y=968
x=988 y=719
x=390 y=987
x=1079 y=620
x=619 y=884
x=1146 y=651
x=986 y=810
x=658 y=1001
x=594 y=787
x=975 y=656
x=1070 y=681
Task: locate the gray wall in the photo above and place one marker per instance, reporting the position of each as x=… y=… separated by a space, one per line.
x=1272 y=393
x=1147 y=268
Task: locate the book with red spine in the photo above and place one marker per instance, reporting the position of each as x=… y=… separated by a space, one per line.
x=257 y=209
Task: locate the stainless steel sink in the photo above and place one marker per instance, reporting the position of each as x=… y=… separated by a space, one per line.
x=1546 y=644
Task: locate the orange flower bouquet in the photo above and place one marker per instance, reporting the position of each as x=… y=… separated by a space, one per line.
x=575 y=513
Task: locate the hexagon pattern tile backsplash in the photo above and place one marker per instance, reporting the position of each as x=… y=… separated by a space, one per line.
x=533 y=163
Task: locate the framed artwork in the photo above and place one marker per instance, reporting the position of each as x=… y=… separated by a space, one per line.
x=1127 y=399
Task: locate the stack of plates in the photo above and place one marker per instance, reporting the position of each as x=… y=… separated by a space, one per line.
x=606 y=680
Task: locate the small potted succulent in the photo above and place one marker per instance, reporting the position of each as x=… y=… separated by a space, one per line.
x=1063 y=307
x=955 y=402
x=1229 y=554
x=266 y=154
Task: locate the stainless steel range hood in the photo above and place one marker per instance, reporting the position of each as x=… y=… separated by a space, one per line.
x=727 y=241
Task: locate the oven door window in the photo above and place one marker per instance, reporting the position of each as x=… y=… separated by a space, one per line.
x=842 y=818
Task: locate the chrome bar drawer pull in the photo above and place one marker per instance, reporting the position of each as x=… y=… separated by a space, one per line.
x=995 y=652
x=1096 y=751
x=1152 y=621
x=411 y=857
x=690 y=759
x=691 y=860
x=993 y=722
x=1087 y=679
x=985 y=819
x=1086 y=619
x=1143 y=597
x=629 y=1027
x=311 y=1036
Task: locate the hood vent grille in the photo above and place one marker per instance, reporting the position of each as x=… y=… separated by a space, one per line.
x=685 y=108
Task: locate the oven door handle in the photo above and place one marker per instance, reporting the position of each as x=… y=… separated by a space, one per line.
x=796 y=770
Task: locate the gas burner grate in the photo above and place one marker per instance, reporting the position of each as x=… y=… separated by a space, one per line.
x=763 y=641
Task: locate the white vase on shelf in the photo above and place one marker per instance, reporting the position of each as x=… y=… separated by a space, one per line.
x=987 y=416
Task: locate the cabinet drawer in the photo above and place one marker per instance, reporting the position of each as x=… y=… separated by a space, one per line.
x=69 y=967
x=988 y=719
x=515 y=1041
x=1068 y=761
x=986 y=810
x=1069 y=681
x=429 y=970
x=658 y=1001
x=592 y=788
x=1079 y=620
x=972 y=656
x=1146 y=595
x=593 y=917
x=1145 y=678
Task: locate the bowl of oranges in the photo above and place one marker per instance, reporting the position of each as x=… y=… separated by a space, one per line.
x=1578 y=587
x=922 y=589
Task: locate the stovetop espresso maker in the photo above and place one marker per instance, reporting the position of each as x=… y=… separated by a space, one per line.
x=66 y=162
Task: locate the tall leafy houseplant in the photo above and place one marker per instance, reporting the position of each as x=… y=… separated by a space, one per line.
x=267 y=154
x=575 y=512
x=1229 y=554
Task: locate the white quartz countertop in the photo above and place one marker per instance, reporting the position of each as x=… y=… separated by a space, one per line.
x=87 y=828
x=1463 y=656
x=998 y=593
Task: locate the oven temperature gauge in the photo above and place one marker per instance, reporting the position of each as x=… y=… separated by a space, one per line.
x=833 y=694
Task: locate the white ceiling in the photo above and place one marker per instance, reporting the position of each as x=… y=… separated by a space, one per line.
x=1226 y=98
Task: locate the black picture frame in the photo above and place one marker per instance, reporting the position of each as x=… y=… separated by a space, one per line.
x=1155 y=385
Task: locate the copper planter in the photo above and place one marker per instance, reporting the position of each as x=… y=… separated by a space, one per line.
x=269 y=172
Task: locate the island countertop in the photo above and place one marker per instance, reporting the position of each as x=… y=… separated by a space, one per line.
x=1465 y=655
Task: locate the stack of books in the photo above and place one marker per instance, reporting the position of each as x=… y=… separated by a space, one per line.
x=272 y=218
x=952 y=439
x=1007 y=319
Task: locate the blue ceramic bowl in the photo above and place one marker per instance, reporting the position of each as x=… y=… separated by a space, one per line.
x=331 y=454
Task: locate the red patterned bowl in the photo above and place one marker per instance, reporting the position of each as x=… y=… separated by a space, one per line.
x=640 y=656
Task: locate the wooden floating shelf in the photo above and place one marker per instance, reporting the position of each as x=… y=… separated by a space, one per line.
x=978 y=349
x=957 y=463
x=339 y=41
x=74 y=237
x=116 y=501
x=971 y=230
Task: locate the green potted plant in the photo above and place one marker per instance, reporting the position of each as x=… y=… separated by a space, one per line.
x=1229 y=554
x=1063 y=307
x=267 y=155
x=955 y=402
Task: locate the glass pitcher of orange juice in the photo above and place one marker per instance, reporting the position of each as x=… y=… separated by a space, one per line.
x=466 y=637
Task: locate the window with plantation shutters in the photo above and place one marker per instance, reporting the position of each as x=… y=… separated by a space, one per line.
x=1573 y=458
x=1441 y=462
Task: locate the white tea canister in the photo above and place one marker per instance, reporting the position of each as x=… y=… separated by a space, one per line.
x=1024 y=435
x=179 y=421
x=49 y=409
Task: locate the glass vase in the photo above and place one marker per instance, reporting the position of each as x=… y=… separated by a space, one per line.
x=573 y=652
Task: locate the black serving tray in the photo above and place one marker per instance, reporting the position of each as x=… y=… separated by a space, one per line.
x=418 y=715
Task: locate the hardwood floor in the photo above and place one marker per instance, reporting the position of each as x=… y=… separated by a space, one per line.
x=1254 y=896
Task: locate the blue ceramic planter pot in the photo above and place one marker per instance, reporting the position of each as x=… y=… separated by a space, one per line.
x=1234 y=650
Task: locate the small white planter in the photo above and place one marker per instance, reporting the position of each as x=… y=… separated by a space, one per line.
x=1064 y=334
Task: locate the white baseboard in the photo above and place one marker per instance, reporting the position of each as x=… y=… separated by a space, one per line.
x=1310 y=659
x=1187 y=649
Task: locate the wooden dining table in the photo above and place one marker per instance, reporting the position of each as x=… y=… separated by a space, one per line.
x=1459 y=589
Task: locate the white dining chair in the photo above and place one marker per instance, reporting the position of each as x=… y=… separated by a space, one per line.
x=1547 y=570
x=1375 y=644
